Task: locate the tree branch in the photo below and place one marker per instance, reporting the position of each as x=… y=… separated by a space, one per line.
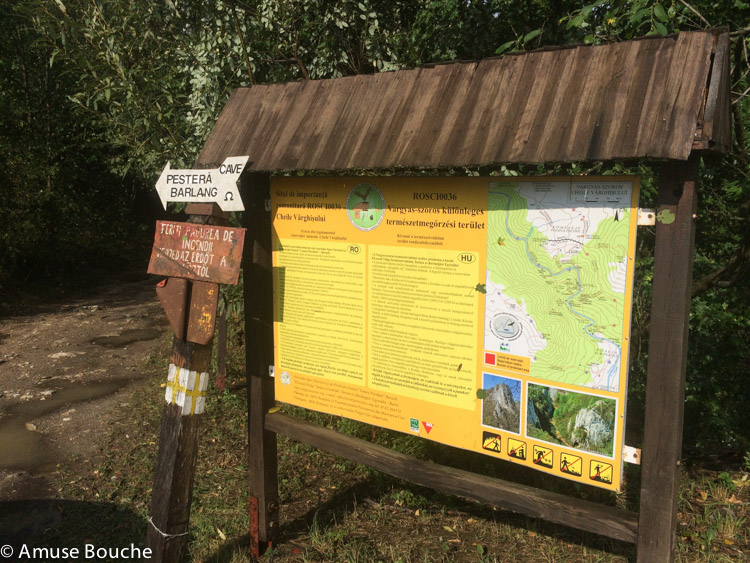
x=244 y=47
x=297 y=59
x=736 y=267
x=696 y=12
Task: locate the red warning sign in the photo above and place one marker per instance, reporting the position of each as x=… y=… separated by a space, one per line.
x=197 y=252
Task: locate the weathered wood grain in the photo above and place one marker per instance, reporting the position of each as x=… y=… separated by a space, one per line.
x=258 y=295
x=221 y=351
x=717 y=122
x=667 y=361
x=175 y=465
x=634 y=99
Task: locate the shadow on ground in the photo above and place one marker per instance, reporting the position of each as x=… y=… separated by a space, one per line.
x=53 y=523
x=328 y=514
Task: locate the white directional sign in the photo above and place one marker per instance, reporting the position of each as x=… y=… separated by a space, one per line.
x=217 y=185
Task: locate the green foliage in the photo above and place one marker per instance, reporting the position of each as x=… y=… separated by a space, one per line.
x=540 y=434
x=95 y=97
x=138 y=75
x=540 y=397
x=61 y=215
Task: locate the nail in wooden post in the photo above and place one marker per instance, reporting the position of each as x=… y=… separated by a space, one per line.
x=258 y=293
x=667 y=361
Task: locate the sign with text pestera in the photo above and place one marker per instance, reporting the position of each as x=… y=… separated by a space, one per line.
x=197 y=252
x=217 y=185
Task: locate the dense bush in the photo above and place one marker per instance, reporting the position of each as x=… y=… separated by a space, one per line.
x=95 y=97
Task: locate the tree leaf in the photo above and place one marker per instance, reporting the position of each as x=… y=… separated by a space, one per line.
x=576 y=21
x=660 y=13
x=504 y=47
x=531 y=35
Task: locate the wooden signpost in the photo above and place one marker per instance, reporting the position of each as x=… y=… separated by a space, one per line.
x=665 y=386
x=197 y=256
x=258 y=294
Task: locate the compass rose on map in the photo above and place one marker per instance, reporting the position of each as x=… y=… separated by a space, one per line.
x=365 y=207
x=505 y=326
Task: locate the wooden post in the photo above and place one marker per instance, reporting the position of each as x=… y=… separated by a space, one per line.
x=178 y=440
x=221 y=351
x=258 y=294
x=175 y=464
x=667 y=360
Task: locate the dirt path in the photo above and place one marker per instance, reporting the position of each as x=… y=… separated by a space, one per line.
x=66 y=372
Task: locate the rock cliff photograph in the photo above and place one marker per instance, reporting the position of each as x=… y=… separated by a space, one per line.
x=501 y=404
x=577 y=420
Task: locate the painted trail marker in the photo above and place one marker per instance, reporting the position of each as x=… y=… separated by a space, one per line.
x=214 y=185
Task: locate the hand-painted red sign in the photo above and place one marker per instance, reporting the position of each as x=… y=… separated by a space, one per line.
x=197 y=252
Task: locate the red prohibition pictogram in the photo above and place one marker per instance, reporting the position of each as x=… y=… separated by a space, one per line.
x=571 y=464
x=543 y=456
x=491 y=442
x=600 y=471
x=516 y=448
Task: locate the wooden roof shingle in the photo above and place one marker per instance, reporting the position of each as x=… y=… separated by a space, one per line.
x=656 y=98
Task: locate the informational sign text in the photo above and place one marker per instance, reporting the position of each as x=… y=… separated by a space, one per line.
x=197 y=252
x=490 y=314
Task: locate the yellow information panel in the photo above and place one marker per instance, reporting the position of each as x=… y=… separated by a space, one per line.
x=489 y=314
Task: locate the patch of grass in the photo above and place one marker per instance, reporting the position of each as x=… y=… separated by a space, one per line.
x=713 y=516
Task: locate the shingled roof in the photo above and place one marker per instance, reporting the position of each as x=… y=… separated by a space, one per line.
x=658 y=98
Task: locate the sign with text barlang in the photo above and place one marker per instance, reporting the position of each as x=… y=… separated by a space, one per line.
x=215 y=185
x=197 y=252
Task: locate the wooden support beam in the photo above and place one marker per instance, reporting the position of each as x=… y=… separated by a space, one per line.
x=258 y=294
x=667 y=360
x=561 y=509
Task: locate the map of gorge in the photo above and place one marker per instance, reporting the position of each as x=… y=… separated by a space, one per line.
x=558 y=259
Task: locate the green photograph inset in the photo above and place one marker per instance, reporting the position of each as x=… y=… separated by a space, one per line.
x=576 y=420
